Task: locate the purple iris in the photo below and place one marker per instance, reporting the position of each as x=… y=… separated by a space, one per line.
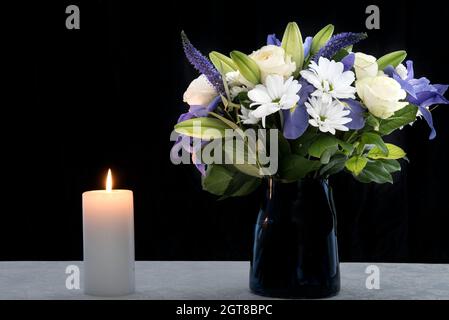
x=190 y=145
x=199 y=111
x=187 y=143
x=296 y=122
x=273 y=40
x=348 y=61
x=420 y=93
x=357 y=112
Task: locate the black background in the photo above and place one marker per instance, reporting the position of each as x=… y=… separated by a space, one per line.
x=107 y=95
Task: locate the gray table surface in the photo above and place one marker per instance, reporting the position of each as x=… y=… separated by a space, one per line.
x=218 y=280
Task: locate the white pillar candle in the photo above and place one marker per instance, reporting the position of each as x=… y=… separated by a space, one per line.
x=108 y=225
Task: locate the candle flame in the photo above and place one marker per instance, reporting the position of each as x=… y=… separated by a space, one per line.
x=109 y=181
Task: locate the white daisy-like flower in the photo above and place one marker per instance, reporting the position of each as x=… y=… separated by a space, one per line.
x=327 y=116
x=274 y=96
x=247 y=117
x=330 y=80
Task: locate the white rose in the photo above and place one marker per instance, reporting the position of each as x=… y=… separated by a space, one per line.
x=200 y=92
x=273 y=60
x=365 y=65
x=381 y=95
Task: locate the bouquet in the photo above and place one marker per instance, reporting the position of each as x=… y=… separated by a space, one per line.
x=294 y=109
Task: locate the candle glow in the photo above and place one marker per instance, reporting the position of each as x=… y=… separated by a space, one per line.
x=109 y=181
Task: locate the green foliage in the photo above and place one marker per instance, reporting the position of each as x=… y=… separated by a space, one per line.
x=226 y=181
x=375 y=139
x=335 y=165
x=340 y=55
x=223 y=63
x=321 y=38
x=392 y=58
x=321 y=143
x=390 y=165
x=374 y=171
x=248 y=67
x=294 y=167
x=356 y=164
x=204 y=128
x=293 y=46
x=300 y=146
x=394 y=152
x=325 y=142
x=399 y=119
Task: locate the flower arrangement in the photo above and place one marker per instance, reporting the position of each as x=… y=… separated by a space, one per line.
x=331 y=107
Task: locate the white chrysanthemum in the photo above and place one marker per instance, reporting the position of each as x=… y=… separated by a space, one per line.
x=247 y=117
x=330 y=80
x=327 y=116
x=275 y=95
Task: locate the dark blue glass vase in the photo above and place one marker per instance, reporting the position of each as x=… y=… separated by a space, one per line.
x=295 y=244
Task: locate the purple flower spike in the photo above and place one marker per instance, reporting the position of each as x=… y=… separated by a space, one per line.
x=202 y=64
x=338 y=42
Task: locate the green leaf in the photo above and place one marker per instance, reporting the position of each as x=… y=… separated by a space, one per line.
x=340 y=55
x=321 y=38
x=245 y=187
x=294 y=167
x=374 y=138
x=293 y=46
x=227 y=122
x=244 y=160
x=300 y=146
x=347 y=147
x=390 y=165
x=374 y=172
x=327 y=154
x=356 y=164
x=241 y=185
x=320 y=145
x=392 y=58
x=284 y=146
x=223 y=63
x=394 y=152
x=399 y=119
x=204 y=128
x=248 y=67
x=373 y=122
x=335 y=165
x=248 y=169
x=217 y=179
x=226 y=181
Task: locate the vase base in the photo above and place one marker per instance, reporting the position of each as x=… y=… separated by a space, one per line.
x=302 y=293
